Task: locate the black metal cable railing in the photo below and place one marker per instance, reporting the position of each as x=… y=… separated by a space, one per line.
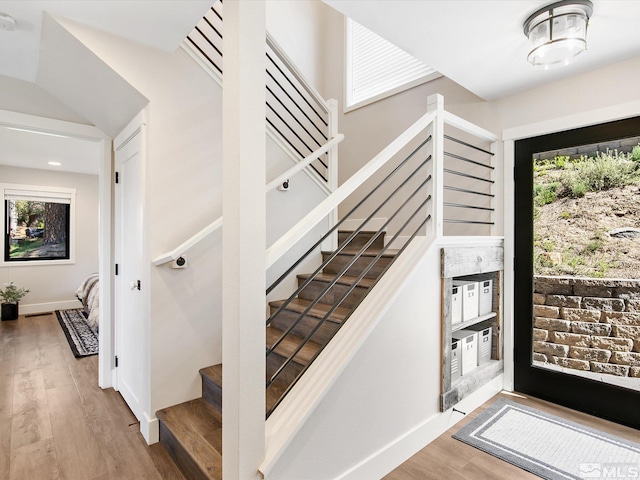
x=348 y=215
x=342 y=298
x=466 y=144
x=295 y=115
x=332 y=283
x=468 y=177
x=336 y=253
x=314 y=109
x=417 y=191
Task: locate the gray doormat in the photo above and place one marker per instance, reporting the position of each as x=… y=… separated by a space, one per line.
x=82 y=339
x=549 y=446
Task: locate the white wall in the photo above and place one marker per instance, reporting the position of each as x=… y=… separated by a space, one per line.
x=603 y=88
x=284 y=210
x=299 y=28
x=183 y=194
x=53 y=286
x=183 y=191
x=368 y=129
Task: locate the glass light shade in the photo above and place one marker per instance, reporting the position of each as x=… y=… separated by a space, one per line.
x=558 y=33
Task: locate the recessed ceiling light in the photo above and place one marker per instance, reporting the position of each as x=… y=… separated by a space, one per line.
x=55 y=164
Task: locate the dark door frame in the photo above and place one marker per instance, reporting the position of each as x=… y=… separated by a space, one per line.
x=597 y=398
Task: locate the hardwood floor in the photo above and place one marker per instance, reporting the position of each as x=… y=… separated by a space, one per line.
x=448 y=458
x=56 y=423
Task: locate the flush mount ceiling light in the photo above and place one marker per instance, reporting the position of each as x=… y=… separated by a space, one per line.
x=55 y=164
x=7 y=22
x=558 y=32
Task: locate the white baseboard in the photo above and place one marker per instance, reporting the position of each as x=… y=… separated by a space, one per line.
x=48 y=307
x=402 y=448
x=150 y=429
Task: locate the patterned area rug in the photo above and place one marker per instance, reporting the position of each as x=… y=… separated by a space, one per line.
x=549 y=446
x=82 y=339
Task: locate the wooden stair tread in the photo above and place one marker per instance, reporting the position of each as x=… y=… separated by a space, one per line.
x=370 y=252
x=197 y=428
x=365 y=282
x=319 y=310
x=213 y=373
x=289 y=344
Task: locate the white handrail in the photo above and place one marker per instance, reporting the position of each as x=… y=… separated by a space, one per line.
x=216 y=224
x=186 y=245
x=312 y=157
x=466 y=126
x=281 y=246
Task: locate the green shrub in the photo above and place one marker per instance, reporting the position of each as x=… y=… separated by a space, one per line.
x=635 y=153
x=545 y=194
x=605 y=171
x=560 y=161
x=577 y=189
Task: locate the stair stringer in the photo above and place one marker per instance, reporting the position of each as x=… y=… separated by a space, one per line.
x=299 y=405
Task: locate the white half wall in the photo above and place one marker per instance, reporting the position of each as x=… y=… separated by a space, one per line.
x=384 y=406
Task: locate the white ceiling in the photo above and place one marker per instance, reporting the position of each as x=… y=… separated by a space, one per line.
x=30 y=149
x=159 y=24
x=478 y=44
x=481 y=45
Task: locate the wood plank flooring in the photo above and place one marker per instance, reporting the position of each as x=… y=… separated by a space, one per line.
x=56 y=423
x=448 y=458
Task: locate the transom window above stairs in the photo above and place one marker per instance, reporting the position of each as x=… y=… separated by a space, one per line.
x=376 y=68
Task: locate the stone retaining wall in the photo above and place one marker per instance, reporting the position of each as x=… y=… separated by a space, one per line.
x=625 y=145
x=588 y=324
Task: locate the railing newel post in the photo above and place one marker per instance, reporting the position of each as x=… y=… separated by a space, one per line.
x=332 y=175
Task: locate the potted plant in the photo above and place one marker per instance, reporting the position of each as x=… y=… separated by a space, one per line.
x=10 y=297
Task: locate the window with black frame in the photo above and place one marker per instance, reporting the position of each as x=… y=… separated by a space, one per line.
x=37 y=224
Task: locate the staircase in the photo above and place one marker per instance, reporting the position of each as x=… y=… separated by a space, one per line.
x=192 y=431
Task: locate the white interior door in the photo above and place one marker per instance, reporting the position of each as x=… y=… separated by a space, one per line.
x=130 y=331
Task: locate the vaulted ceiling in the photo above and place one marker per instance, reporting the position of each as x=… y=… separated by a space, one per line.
x=159 y=24
x=162 y=25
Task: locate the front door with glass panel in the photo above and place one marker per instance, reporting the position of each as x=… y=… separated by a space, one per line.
x=577 y=278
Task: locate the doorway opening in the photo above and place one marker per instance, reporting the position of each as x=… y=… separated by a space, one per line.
x=577 y=291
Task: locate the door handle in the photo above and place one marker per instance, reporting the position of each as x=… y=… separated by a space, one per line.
x=135 y=284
